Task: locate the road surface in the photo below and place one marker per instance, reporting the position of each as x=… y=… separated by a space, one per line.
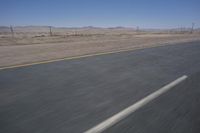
x=177 y=111
x=73 y=96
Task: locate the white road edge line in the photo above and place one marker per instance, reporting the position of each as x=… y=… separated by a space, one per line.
x=124 y=113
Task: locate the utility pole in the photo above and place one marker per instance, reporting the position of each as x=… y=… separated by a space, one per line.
x=12 y=31
x=50 y=32
x=192 y=29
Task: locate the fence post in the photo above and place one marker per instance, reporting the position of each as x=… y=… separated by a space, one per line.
x=12 y=31
x=50 y=31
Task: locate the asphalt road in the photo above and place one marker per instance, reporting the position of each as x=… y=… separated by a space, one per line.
x=177 y=111
x=73 y=96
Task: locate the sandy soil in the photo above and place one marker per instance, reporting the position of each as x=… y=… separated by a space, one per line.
x=22 y=50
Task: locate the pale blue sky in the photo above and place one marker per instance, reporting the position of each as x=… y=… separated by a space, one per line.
x=101 y=13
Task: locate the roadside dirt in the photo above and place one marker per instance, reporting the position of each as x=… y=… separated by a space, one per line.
x=15 y=54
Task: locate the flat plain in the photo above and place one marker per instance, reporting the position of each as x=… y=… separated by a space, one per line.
x=35 y=44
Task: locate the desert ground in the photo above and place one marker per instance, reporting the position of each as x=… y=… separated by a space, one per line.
x=34 y=44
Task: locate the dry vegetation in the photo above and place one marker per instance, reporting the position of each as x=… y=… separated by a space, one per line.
x=32 y=44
